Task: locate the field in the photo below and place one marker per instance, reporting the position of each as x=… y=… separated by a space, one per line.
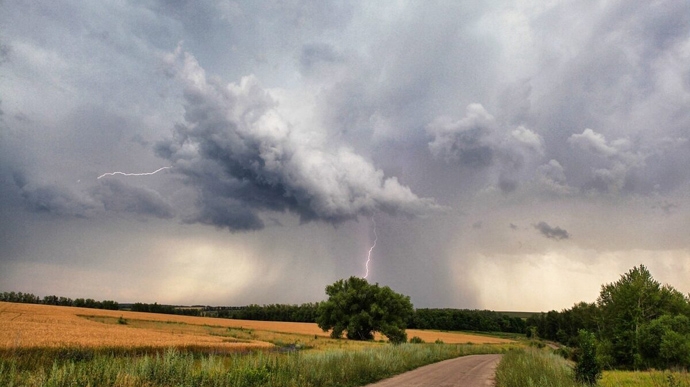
x=29 y=325
x=44 y=345
x=645 y=379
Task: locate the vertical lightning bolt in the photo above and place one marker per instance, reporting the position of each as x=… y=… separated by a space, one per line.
x=376 y=238
x=132 y=174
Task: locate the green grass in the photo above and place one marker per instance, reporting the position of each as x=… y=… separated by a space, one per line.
x=534 y=368
x=74 y=367
x=645 y=379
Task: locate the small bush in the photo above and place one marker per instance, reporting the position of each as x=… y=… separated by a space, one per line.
x=587 y=369
x=416 y=340
x=439 y=341
x=122 y=321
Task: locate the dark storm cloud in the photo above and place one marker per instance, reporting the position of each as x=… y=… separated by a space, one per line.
x=556 y=233
x=108 y=195
x=239 y=152
x=224 y=212
x=120 y=197
x=53 y=199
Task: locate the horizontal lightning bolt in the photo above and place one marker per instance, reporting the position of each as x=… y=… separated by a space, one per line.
x=132 y=174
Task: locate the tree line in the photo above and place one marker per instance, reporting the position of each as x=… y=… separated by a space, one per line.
x=637 y=323
x=465 y=320
x=306 y=312
x=29 y=298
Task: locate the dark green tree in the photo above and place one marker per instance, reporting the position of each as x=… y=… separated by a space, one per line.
x=360 y=309
x=587 y=369
x=627 y=306
x=665 y=342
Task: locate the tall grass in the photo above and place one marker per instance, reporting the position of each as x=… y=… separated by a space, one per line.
x=645 y=379
x=176 y=368
x=534 y=368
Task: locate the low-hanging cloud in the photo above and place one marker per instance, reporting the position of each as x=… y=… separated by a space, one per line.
x=120 y=197
x=245 y=158
x=106 y=196
x=54 y=200
x=550 y=232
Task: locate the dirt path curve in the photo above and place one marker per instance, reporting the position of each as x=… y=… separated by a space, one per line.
x=466 y=371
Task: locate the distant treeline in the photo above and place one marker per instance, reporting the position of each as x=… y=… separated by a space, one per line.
x=466 y=320
x=168 y=309
x=273 y=312
x=28 y=298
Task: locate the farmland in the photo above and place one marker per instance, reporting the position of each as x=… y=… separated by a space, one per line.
x=30 y=325
x=51 y=345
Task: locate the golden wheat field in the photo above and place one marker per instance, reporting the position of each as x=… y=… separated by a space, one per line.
x=29 y=325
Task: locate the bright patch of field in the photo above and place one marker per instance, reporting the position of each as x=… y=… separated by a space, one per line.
x=454 y=337
x=644 y=379
x=28 y=325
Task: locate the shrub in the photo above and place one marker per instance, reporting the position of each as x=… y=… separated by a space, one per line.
x=587 y=369
x=416 y=340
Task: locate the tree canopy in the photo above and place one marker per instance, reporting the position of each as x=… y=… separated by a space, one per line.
x=361 y=309
x=638 y=323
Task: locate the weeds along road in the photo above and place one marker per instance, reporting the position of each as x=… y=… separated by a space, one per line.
x=466 y=371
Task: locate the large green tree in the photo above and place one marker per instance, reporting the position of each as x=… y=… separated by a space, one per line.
x=626 y=306
x=359 y=308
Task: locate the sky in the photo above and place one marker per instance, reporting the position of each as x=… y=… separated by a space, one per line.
x=504 y=155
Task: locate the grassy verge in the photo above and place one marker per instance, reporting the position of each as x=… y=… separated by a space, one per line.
x=534 y=368
x=645 y=379
x=186 y=368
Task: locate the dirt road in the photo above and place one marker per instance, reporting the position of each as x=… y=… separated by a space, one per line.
x=466 y=371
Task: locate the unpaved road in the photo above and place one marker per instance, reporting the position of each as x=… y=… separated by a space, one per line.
x=466 y=371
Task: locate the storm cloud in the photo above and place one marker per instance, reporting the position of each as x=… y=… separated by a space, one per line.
x=543 y=144
x=478 y=140
x=236 y=148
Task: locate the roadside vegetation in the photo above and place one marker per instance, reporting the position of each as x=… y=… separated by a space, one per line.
x=636 y=324
x=542 y=367
x=535 y=368
x=645 y=379
x=260 y=368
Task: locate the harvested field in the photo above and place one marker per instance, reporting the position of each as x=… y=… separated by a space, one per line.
x=455 y=337
x=29 y=325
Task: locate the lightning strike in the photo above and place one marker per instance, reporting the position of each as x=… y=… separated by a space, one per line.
x=133 y=174
x=376 y=238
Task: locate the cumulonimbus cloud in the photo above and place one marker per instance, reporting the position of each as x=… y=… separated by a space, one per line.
x=245 y=158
